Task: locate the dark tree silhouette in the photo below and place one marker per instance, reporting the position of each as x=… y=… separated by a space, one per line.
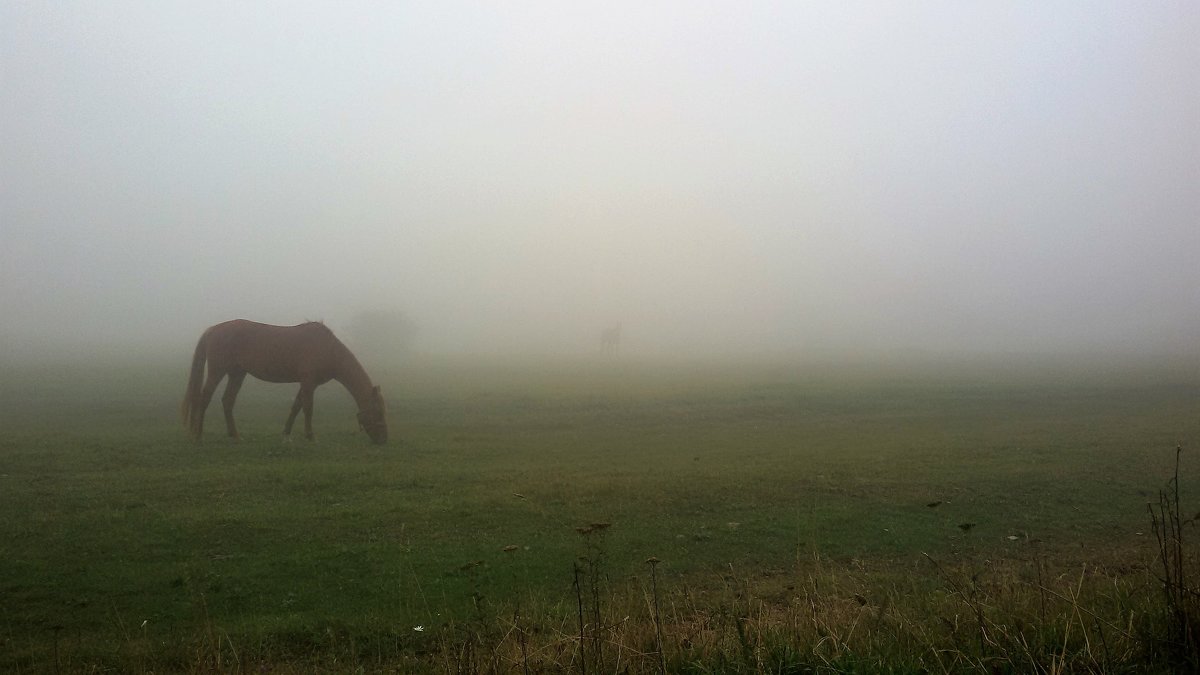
x=383 y=334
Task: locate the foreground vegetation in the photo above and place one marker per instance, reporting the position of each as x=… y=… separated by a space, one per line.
x=605 y=516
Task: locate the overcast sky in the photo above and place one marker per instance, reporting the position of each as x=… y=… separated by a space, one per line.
x=718 y=177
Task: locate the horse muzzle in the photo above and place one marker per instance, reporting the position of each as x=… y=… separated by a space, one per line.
x=378 y=435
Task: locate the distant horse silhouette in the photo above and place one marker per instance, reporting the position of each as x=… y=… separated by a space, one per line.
x=308 y=354
x=610 y=339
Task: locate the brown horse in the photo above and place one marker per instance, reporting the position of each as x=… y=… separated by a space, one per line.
x=610 y=339
x=308 y=354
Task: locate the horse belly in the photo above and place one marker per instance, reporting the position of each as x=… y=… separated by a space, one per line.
x=270 y=367
x=286 y=370
x=273 y=376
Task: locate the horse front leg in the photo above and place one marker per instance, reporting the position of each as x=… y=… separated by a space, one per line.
x=227 y=400
x=304 y=400
x=287 y=427
x=307 y=393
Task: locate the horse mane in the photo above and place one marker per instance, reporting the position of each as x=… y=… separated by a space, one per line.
x=320 y=327
x=316 y=325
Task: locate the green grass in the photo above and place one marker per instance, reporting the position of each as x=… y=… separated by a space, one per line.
x=124 y=545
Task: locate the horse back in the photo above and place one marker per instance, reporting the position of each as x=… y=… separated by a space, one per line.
x=306 y=352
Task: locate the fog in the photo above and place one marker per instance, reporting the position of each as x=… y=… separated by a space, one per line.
x=720 y=178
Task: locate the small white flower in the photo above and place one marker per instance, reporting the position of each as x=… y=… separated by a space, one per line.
x=419 y=629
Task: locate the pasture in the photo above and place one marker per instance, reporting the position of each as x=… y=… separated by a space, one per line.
x=789 y=506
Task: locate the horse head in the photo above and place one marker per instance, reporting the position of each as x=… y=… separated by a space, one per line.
x=372 y=418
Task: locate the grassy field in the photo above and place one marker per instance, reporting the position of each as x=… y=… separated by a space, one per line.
x=789 y=506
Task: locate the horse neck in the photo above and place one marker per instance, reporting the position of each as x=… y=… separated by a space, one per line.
x=354 y=378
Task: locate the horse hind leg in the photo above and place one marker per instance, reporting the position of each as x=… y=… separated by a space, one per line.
x=228 y=399
x=210 y=386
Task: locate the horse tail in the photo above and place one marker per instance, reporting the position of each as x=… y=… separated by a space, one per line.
x=191 y=397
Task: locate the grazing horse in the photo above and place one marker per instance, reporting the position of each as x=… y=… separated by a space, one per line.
x=308 y=354
x=610 y=339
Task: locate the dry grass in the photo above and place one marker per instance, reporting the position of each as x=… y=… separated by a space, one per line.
x=960 y=614
x=981 y=617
